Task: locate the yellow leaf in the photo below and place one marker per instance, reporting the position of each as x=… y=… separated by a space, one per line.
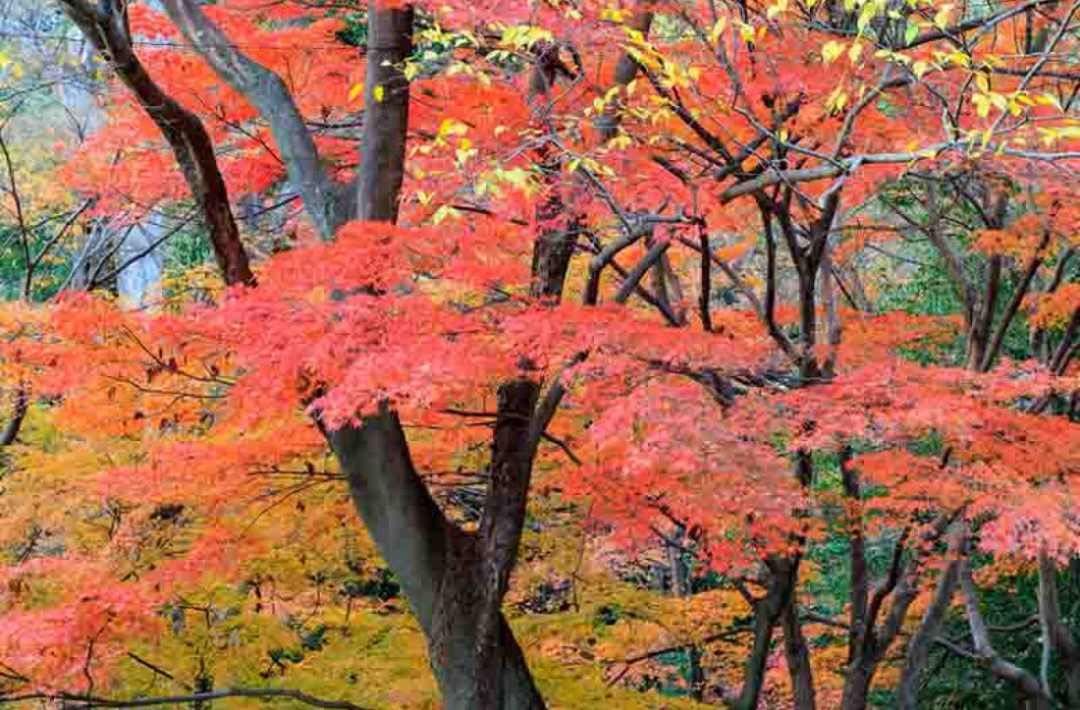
x=941 y=18
x=355 y=91
x=718 y=29
x=831 y=51
x=837 y=100
x=379 y=93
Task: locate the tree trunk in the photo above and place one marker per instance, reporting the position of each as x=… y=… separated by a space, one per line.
x=797 y=655
x=857 y=686
x=1056 y=631
x=386 y=111
x=922 y=641
x=756 y=664
x=857 y=682
x=441 y=571
x=454 y=580
x=18 y=415
x=768 y=612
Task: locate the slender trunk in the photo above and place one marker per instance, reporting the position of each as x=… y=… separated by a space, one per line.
x=1059 y=638
x=857 y=686
x=756 y=664
x=797 y=655
x=922 y=641
x=809 y=370
x=557 y=230
x=768 y=613
x=386 y=111
x=979 y=333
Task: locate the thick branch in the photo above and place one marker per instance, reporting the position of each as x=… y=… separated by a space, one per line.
x=105 y=26
x=327 y=205
x=1024 y=681
x=398 y=511
x=922 y=641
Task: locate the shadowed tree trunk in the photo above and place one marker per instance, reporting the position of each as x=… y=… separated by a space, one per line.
x=386 y=112
x=782 y=577
x=922 y=641
x=18 y=415
x=1060 y=640
x=797 y=656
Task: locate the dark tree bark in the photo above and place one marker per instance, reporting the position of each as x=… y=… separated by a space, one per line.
x=454 y=581
x=797 y=655
x=18 y=415
x=922 y=641
x=872 y=630
x=445 y=573
x=1062 y=641
x=105 y=25
x=1036 y=697
x=607 y=122
x=386 y=112
x=769 y=610
x=808 y=258
x=558 y=230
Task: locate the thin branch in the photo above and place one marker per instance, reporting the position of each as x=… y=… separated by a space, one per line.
x=73 y=701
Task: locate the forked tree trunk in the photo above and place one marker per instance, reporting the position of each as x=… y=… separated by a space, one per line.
x=454 y=580
x=441 y=570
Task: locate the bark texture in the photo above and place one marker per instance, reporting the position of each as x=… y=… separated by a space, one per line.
x=386 y=112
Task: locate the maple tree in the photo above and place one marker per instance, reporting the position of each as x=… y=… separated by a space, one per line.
x=634 y=257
